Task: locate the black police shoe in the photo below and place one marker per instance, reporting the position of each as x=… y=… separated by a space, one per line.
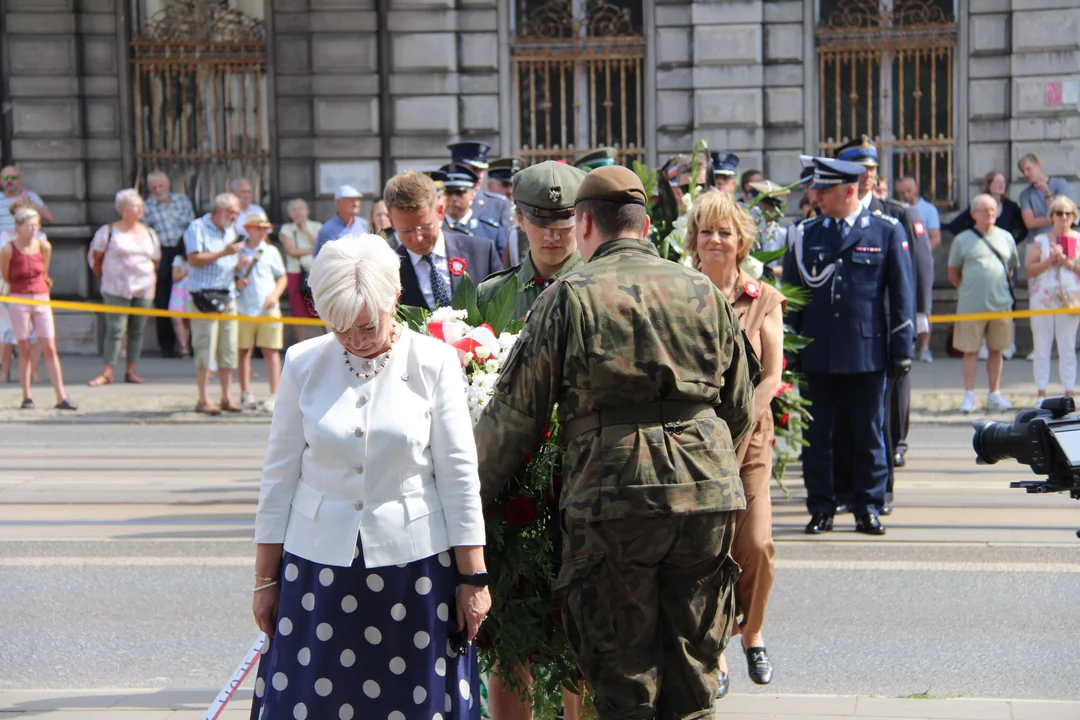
x=722 y=686
x=886 y=509
x=899 y=460
x=819 y=523
x=869 y=524
x=758 y=665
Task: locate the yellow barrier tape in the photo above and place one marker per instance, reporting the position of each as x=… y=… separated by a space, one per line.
x=154 y=312
x=315 y=322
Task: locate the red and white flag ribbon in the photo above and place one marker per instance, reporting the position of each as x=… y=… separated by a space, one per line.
x=237 y=679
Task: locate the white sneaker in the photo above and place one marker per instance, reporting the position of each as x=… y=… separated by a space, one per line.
x=268 y=406
x=983 y=353
x=968 y=403
x=247 y=401
x=925 y=355
x=1008 y=354
x=996 y=402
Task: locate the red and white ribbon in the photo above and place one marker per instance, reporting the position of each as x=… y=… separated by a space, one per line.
x=237 y=679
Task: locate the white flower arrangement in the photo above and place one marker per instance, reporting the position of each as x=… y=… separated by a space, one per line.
x=482 y=354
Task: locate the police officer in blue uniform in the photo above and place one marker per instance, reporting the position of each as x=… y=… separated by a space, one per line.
x=898 y=393
x=725 y=165
x=459 y=188
x=486 y=204
x=850 y=262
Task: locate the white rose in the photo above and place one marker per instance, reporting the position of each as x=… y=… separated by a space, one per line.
x=491 y=366
x=482 y=352
x=469 y=357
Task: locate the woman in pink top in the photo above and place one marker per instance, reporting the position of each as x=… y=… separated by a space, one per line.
x=24 y=266
x=124 y=255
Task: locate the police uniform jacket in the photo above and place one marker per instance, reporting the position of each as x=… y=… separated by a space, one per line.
x=922 y=251
x=849 y=281
x=494 y=207
x=479 y=227
x=530 y=283
x=625 y=330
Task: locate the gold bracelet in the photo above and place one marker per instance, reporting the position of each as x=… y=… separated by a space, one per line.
x=264 y=579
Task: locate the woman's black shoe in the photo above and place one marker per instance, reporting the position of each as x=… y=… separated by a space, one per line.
x=722 y=687
x=758 y=665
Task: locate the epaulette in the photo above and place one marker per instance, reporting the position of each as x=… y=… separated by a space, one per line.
x=489 y=221
x=889 y=218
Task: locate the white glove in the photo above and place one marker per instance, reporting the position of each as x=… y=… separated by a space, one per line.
x=922 y=324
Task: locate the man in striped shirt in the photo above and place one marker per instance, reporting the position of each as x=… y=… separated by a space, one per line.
x=211 y=246
x=169 y=214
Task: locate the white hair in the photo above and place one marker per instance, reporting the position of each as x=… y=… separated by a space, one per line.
x=983 y=200
x=353 y=273
x=236 y=182
x=226 y=200
x=126 y=197
x=158 y=174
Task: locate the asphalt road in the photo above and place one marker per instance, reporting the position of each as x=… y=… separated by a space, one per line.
x=124 y=563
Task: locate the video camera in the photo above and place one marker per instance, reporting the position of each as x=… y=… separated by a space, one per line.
x=1046 y=438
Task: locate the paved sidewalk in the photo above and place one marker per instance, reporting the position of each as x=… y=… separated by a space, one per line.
x=191 y=704
x=169 y=394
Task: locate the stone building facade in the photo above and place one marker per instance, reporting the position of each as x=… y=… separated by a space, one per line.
x=354 y=90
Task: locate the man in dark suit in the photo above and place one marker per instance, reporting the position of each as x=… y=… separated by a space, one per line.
x=850 y=262
x=432 y=261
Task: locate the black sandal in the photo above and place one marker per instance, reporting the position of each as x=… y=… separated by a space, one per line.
x=66 y=404
x=27 y=404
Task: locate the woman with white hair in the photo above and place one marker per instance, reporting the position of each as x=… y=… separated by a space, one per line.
x=369 y=569
x=124 y=256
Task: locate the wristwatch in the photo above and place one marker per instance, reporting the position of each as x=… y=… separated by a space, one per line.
x=478 y=579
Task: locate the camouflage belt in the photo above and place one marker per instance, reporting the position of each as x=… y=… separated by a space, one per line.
x=671 y=415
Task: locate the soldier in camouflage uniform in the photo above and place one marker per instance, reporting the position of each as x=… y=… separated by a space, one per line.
x=645 y=361
x=544 y=196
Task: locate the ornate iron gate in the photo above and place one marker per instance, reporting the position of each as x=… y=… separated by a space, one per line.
x=200 y=97
x=578 y=80
x=886 y=70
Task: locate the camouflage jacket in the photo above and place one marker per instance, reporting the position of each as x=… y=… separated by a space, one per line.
x=625 y=329
x=529 y=281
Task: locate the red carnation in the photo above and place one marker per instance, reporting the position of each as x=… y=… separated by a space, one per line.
x=784 y=420
x=458 y=266
x=520 y=510
x=784 y=388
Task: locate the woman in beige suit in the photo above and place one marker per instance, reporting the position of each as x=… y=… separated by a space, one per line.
x=720 y=235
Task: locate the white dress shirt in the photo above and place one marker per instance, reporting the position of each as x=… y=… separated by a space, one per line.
x=423 y=270
x=392 y=457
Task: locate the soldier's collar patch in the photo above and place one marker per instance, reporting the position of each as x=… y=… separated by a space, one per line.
x=865 y=222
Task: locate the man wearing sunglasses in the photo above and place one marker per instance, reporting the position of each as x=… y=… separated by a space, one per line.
x=11 y=182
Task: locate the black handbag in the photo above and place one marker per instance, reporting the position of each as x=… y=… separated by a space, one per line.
x=211 y=301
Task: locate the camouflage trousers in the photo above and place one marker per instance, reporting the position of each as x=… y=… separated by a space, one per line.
x=648 y=606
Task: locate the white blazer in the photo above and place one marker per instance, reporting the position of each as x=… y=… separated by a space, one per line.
x=392 y=458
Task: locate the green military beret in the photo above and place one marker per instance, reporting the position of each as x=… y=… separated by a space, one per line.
x=615 y=184
x=602 y=157
x=545 y=192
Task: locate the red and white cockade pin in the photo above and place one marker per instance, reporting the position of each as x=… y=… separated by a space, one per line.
x=751 y=288
x=458 y=266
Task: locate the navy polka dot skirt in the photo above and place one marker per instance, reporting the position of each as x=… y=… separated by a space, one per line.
x=366 y=644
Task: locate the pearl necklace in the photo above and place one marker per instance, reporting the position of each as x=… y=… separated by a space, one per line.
x=382 y=363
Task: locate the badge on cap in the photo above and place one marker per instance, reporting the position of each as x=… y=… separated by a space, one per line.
x=554 y=194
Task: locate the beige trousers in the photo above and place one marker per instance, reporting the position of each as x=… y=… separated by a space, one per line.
x=753 y=547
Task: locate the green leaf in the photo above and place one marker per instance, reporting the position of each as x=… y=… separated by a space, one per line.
x=465 y=298
x=415 y=318
x=767 y=256
x=500 y=311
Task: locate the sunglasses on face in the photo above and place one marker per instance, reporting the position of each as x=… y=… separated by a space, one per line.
x=1061 y=213
x=9 y=177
